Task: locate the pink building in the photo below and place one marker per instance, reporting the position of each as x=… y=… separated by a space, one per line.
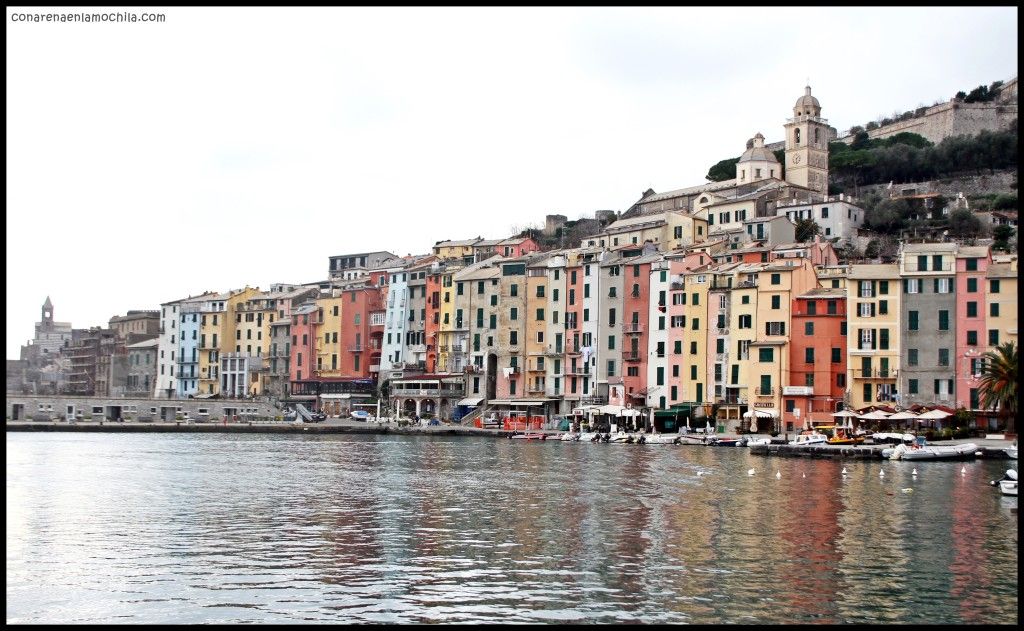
x=305 y=321
x=971 y=333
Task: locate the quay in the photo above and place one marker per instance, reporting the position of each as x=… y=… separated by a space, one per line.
x=987 y=448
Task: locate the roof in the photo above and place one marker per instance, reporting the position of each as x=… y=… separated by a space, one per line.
x=1000 y=270
x=454 y=244
x=150 y=343
x=692 y=190
x=885 y=271
x=824 y=292
x=972 y=251
x=757 y=151
x=929 y=247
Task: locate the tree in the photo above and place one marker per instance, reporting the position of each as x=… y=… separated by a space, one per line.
x=889 y=216
x=723 y=170
x=999 y=383
x=860 y=140
x=1001 y=236
x=806 y=229
x=963 y=224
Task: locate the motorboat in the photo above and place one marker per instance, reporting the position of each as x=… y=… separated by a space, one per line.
x=1008 y=483
x=662 y=439
x=814 y=438
x=930 y=452
x=758 y=441
x=843 y=437
x=726 y=442
x=1011 y=451
x=529 y=436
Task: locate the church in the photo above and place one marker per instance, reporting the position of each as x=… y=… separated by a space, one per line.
x=733 y=208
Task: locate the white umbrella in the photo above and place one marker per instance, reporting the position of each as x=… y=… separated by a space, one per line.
x=902 y=416
x=877 y=415
x=709 y=427
x=844 y=413
x=934 y=414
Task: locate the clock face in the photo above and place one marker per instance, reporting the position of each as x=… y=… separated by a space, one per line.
x=796 y=159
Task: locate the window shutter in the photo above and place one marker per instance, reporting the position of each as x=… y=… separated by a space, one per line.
x=905 y=287
x=935 y=285
x=872 y=309
x=936 y=382
x=873 y=338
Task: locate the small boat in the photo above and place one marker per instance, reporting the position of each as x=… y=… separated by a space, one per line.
x=758 y=441
x=1008 y=483
x=842 y=437
x=662 y=439
x=529 y=436
x=918 y=451
x=726 y=442
x=814 y=438
x=1011 y=451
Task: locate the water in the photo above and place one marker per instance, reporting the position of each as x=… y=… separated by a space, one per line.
x=197 y=528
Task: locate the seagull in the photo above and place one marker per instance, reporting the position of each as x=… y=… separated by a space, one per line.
x=963 y=470
x=751 y=472
x=914 y=472
x=700 y=473
x=803 y=475
x=907 y=490
x=881 y=473
x=778 y=475
x=844 y=470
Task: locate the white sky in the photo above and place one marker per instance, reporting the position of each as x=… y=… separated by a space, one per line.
x=225 y=147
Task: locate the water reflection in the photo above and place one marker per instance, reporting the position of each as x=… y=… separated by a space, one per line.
x=198 y=528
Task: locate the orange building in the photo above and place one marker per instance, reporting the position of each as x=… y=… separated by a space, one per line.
x=817 y=361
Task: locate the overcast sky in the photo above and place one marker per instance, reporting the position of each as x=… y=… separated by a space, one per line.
x=225 y=147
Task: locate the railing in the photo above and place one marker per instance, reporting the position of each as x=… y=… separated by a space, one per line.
x=572 y=350
x=579 y=370
x=631 y=357
x=633 y=327
x=356 y=348
x=593 y=400
x=374 y=367
x=554 y=351
x=747 y=283
x=676 y=285
x=763 y=392
x=877 y=373
x=535 y=388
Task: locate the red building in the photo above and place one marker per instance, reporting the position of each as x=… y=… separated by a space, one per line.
x=362 y=332
x=516 y=246
x=304 y=329
x=432 y=323
x=817 y=362
x=636 y=304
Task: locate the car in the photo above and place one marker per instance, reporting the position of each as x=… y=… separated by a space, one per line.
x=360 y=415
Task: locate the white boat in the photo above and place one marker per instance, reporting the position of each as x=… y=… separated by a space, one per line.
x=809 y=439
x=569 y=437
x=931 y=452
x=661 y=439
x=758 y=441
x=1008 y=484
x=1012 y=452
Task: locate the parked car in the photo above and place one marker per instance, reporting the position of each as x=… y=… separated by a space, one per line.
x=360 y=415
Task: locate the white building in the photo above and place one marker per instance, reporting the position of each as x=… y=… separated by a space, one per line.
x=836 y=216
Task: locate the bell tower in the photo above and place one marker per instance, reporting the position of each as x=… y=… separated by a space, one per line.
x=47 y=314
x=807 y=138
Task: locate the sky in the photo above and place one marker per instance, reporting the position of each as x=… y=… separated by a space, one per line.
x=224 y=147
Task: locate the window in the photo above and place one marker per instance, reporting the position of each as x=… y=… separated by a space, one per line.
x=809 y=355
x=677 y=347
x=776 y=302
x=812 y=307
x=867 y=338
x=540 y=315
x=883 y=287
x=883 y=307
x=830 y=307
x=972 y=310
x=912 y=386
x=866 y=309
x=611 y=342
x=883 y=339
x=993 y=286
x=808 y=328
x=611 y=369
x=611 y=292
x=766 y=385
x=809 y=379
x=944 y=357
x=836 y=355
x=775 y=328
x=972 y=285
x=824 y=211
x=776 y=279
x=971 y=265
x=993 y=337
x=912 y=357
x=912 y=285
x=943 y=285
x=540 y=291
x=513 y=290
x=745 y=300
x=972 y=338
x=513 y=338
x=841 y=380
x=695 y=324
x=922 y=263
x=867 y=393
x=695 y=299
x=993 y=310
x=611 y=317
x=912 y=320
x=943 y=320
x=766 y=355
x=693 y=348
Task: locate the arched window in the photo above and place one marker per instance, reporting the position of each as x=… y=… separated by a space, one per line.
x=797 y=136
x=703 y=200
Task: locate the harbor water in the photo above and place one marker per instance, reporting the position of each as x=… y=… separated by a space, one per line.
x=218 y=528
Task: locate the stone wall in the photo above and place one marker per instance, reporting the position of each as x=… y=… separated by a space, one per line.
x=952 y=118
x=969 y=185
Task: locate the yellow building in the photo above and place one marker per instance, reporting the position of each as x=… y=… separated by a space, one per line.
x=1001 y=299
x=452 y=342
x=873 y=304
x=249 y=373
x=690 y=367
x=455 y=249
x=668 y=231
x=329 y=351
x=536 y=316
x=217 y=335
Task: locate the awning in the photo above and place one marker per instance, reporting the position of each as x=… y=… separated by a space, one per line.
x=470 y=401
x=761 y=413
x=529 y=402
x=331 y=397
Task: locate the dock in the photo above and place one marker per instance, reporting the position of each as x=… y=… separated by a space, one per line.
x=862 y=452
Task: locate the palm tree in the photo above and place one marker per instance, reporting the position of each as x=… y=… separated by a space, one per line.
x=999 y=382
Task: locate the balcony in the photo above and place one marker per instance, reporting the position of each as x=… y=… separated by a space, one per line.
x=513 y=370
x=631 y=356
x=676 y=284
x=534 y=388
x=593 y=400
x=536 y=369
x=722 y=331
x=877 y=373
x=632 y=328
x=356 y=348
x=747 y=283
x=472 y=369
x=554 y=351
x=579 y=370
x=374 y=367
x=765 y=392
x=572 y=350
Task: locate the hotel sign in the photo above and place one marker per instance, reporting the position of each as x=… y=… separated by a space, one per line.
x=797 y=390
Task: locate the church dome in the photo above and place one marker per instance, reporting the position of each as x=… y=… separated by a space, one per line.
x=757 y=151
x=807 y=104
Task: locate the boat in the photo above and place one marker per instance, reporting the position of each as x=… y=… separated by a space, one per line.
x=726 y=442
x=930 y=452
x=813 y=438
x=842 y=437
x=891 y=438
x=1008 y=483
x=529 y=436
x=758 y=441
x=662 y=439
x=1011 y=451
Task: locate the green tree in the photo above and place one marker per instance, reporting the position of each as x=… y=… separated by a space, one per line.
x=963 y=224
x=1001 y=236
x=780 y=155
x=723 y=170
x=806 y=229
x=860 y=140
x=889 y=216
x=999 y=383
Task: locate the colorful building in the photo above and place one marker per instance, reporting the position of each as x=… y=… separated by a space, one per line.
x=817 y=360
